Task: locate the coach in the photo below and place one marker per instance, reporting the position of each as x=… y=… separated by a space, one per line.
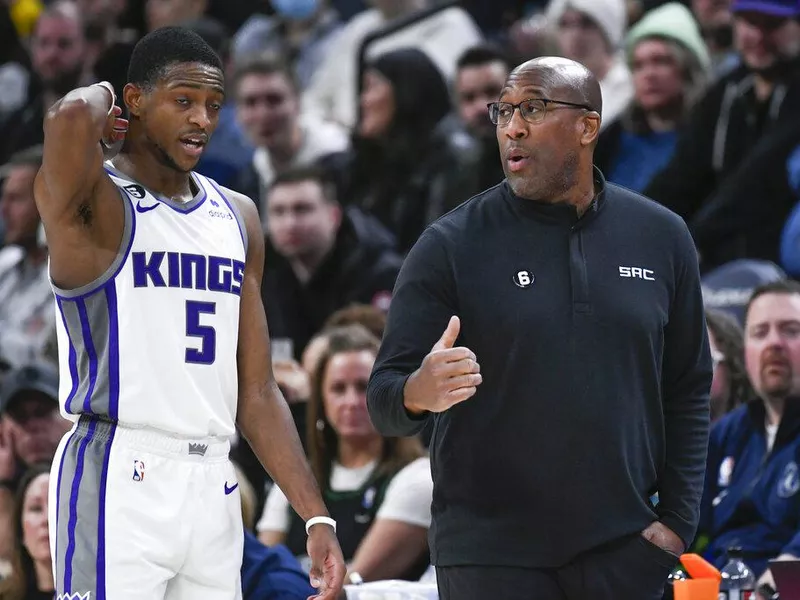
x=552 y=328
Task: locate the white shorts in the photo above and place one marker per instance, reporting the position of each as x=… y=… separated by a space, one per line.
x=138 y=515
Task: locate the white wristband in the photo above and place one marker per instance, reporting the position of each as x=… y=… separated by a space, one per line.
x=110 y=88
x=320 y=520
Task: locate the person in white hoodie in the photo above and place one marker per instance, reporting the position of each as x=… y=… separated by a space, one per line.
x=591 y=32
x=443 y=36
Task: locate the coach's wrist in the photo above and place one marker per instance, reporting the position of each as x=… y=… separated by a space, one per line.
x=410 y=402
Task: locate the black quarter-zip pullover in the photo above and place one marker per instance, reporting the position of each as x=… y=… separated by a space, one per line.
x=591 y=338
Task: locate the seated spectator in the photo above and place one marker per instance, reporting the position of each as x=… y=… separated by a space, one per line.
x=27 y=316
x=268 y=110
x=716 y=24
x=752 y=485
x=31 y=428
x=302 y=31
x=443 y=37
x=272 y=573
x=228 y=148
x=377 y=489
x=31 y=565
x=320 y=258
x=410 y=163
x=738 y=115
x=730 y=386
x=58 y=55
x=670 y=65
x=15 y=76
x=591 y=32
x=480 y=76
x=728 y=288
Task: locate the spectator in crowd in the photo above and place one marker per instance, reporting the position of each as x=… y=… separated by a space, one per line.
x=480 y=76
x=409 y=164
x=735 y=116
x=302 y=31
x=443 y=36
x=670 y=64
x=27 y=317
x=109 y=42
x=15 y=73
x=31 y=427
x=716 y=25
x=58 y=53
x=272 y=573
x=228 y=149
x=163 y=13
x=728 y=288
x=321 y=258
x=751 y=494
x=591 y=32
x=730 y=387
x=269 y=111
x=378 y=489
x=31 y=565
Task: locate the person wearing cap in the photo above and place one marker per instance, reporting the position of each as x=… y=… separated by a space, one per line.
x=670 y=66
x=739 y=115
x=591 y=32
x=31 y=427
x=27 y=318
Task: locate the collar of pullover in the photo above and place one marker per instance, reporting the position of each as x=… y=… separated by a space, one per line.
x=560 y=213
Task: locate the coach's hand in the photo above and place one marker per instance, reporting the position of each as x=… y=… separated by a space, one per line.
x=446 y=376
x=327 y=563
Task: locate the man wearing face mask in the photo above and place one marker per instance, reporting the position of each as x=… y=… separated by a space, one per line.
x=300 y=30
x=751 y=497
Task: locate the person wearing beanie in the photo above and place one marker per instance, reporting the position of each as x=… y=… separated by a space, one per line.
x=670 y=66
x=724 y=163
x=591 y=32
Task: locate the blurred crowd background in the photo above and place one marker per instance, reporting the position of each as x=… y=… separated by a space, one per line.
x=353 y=124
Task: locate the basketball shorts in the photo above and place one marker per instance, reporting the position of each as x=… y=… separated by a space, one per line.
x=137 y=515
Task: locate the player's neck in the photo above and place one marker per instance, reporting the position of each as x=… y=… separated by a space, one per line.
x=142 y=166
x=360 y=451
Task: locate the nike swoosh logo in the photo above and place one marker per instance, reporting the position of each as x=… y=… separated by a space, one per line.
x=144 y=209
x=229 y=490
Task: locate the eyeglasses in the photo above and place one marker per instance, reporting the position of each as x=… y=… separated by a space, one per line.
x=533 y=110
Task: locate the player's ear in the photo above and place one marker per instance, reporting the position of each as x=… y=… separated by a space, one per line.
x=133 y=96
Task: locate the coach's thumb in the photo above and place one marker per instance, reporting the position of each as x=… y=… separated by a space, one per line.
x=450 y=335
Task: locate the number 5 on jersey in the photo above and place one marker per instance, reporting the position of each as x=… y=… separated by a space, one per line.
x=207 y=352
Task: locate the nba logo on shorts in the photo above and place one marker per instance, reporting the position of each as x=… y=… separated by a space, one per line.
x=138 y=470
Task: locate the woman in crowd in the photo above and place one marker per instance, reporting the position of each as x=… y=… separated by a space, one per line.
x=670 y=65
x=409 y=164
x=377 y=489
x=32 y=572
x=730 y=386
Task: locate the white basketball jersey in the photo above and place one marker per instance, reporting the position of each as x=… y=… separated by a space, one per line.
x=152 y=342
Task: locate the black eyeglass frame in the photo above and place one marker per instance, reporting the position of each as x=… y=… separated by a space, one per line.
x=545 y=101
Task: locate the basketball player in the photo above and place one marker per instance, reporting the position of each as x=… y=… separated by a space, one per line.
x=163 y=343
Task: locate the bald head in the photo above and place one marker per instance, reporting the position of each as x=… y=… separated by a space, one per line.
x=561 y=79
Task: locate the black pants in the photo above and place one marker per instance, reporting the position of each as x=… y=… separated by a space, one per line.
x=627 y=569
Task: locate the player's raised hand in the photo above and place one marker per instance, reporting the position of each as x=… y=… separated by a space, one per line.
x=448 y=375
x=327 y=563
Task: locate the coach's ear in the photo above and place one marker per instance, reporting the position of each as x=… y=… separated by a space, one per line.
x=133 y=97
